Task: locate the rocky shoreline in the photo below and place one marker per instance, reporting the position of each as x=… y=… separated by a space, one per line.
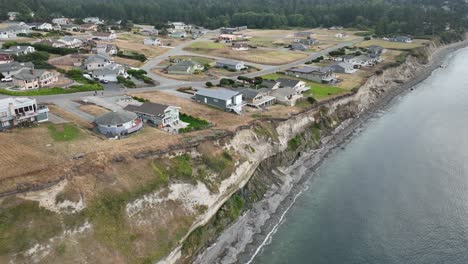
x=241 y=240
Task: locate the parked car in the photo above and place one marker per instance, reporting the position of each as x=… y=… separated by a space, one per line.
x=7 y=79
x=104 y=81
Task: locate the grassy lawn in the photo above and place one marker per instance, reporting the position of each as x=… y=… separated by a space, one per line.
x=54 y=90
x=266 y=42
x=194 y=123
x=64 y=132
x=317 y=90
x=393 y=45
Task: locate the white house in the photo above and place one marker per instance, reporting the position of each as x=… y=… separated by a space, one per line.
x=231 y=65
x=13 y=31
x=109 y=49
x=340 y=35
x=298 y=85
x=104 y=35
x=61 y=21
x=152 y=42
x=93 y=20
x=110 y=73
x=363 y=60
x=71 y=41
x=97 y=61
x=18 y=50
x=12 y=15
x=45 y=26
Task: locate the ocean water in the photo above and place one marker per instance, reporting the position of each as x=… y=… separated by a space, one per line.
x=397 y=192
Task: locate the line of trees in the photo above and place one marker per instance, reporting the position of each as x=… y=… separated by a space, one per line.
x=416 y=17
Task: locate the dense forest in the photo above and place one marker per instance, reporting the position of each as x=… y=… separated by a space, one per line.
x=416 y=17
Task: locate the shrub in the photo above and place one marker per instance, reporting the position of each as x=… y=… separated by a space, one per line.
x=125 y=82
x=209 y=84
x=132 y=55
x=367 y=38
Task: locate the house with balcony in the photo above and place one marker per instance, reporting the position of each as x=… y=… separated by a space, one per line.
x=21 y=111
x=96 y=62
x=258 y=98
x=156 y=114
x=222 y=98
x=28 y=79
x=18 y=50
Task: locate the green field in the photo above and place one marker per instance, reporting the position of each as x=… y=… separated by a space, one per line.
x=54 y=90
x=317 y=90
x=64 y=132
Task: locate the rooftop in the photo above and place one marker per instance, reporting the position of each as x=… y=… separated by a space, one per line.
x=220 y=93
x=115 y=118
x=4 y=103
x=149 y=108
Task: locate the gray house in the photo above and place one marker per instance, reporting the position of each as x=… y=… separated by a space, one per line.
x=402 y=39
x=343 y=67
x=258 y=98
x=118 y=123
x=299 y=46
x=18 y=50
x=156 y=114
x=312 y=73
x=308 y=41
x=21 y=110
x=221 y=98
x=12 y=68
x=231 y=65
x=375 y=51
x=185 y=67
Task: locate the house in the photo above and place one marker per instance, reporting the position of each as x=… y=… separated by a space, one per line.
x=9 y=69
x=96 y=62
x=286 y=96
x=28 y=79
x=12 y=15
x=240 y=46
x=312 y=73
x=178 y=34
x=93 y=20
x=109 y=73
x=185 y=67
x=20 y=111
x=303 y=34
x=109 y=49
x=45 y=27
x=340 y=35
x=5 y=59
x=221 y=98
x=88 y=27
x=61 y=21
x=227 y=38
x=118 y=123
x=149 y=32
x=299 y=46
x=51 y=42
x=72 y=41
x=156 y=114
x=258 y=98
x=272 y=85
x=18 y=50
x=231 y=65
x=375 y=51
x=308 y=41
x=225 y=30
x=402 y=39
x=343 y=67
x=70 y=28
x=178 y=26
x=152 y=42
x=363 y=60
x=298 y=85
x=104 y=36
x=13 y=31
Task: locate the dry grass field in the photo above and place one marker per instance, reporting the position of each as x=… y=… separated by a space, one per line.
x=394 y=45
x=93 y=110
x=260 y=56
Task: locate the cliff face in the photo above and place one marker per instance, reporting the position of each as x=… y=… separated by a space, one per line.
x=167 y=206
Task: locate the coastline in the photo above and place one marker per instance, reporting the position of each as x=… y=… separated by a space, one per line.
x=255 y=227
